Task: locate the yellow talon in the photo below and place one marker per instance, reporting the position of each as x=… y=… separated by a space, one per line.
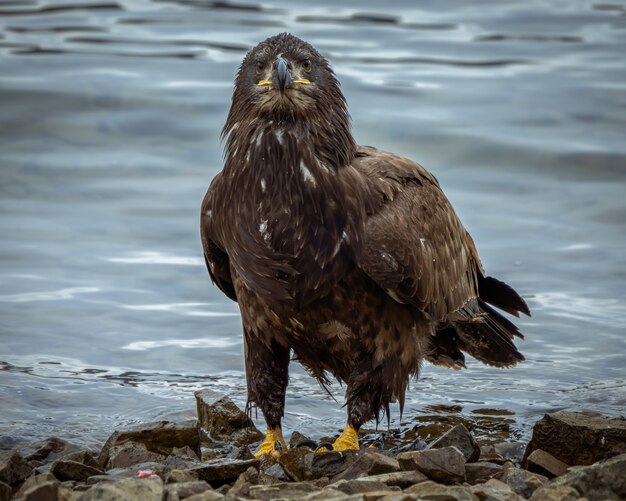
x=348 y=440
x=265 y=82
x=267 y=447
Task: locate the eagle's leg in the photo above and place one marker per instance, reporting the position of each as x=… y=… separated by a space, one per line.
x=267 y=364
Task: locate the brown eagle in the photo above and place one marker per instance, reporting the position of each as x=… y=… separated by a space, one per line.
x=349 y=257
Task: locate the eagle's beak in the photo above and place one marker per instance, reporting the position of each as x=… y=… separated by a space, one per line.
x=281 y=76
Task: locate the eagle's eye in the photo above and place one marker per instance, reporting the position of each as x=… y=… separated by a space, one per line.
x=306 y=65
x=260 y=67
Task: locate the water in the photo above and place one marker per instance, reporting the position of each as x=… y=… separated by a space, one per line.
x=110 y=113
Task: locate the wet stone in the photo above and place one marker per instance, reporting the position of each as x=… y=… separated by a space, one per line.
x=41 y=450
x=601 y=481
x=222 y=421
x=64 y=469
x=221 y=471
x=495 y=490
x=296 y=438
x=578 y=438
x=511 y=451
x=401 y=479
x=160 y=437
x=293 y=462
x=359 y=486
x=368 y=462
x=439 y=492
x=477 y=473
x=34 y=481
x=183 y=490
x=523 y=482
x=131 y=453
x=551 y=492
x=460 y=438
x=445 y=465
x=546 y=464
x=85 y=457
x=13 y=467
x=327 y=464
x=278 y=472
x=131 y=489
x=242 y=452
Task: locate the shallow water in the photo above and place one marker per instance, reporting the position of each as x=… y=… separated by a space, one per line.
x=110 y=113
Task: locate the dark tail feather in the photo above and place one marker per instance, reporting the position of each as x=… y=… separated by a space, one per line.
x=501 y=295
x=488 y=337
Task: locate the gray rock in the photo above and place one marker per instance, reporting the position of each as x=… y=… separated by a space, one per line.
x=247 y=479
x=278 y=472
x=242 y=452
x=359 y=486
x=160 y=437
x=402 y=479
x=477 y=473
x=495 y=490
x=523 y=482
x=490 y=454
x=183 y=490
x=438 y=492
x=293 y=462
x=223 y=421
x=43 y=449
x=601 y=481
x=130 y=453
x=511 y=451
x=186 y=452
x=179 y=476
x=327 y=464
x=368 y=462
x=64 y=469
x=45 y=491
x=33 y=481
x=131 y=472
x=5 y=491
x=206 y=496
x=83 y=456
x=552 y=492
x=546 y=464
x=13 y=467
x=324 y=494
x=578 y=438
x=220 y=471
x=130 y=489
x=292 y=490
x=460 y=438
x=296 y=438
x=445 y=465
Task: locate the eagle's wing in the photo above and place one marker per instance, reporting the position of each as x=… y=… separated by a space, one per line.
x=216 y=259
x=415 y=246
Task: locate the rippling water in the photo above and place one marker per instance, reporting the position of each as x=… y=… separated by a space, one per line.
x=110 y=113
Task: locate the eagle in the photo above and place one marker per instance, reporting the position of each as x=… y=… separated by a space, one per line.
x=346 y=258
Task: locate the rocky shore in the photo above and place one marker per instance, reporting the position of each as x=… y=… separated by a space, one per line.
x=571 y=456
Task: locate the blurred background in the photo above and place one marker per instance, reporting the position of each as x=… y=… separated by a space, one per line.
x=110 y=114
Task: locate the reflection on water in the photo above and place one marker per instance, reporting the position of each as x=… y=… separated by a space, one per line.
x=110 y=114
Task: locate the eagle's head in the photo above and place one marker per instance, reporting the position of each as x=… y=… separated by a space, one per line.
x=287 y=78
x=285 y=85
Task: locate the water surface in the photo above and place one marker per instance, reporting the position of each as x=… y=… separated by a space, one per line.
x=110 y=113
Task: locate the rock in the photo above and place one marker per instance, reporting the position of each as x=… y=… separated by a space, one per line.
x=296 y=438
x=292 y=490
x=511 y=451
x=327 y=464
x=445 y=465
x=438 y=492
x=160 y=437
x=221 y=471
x=13 y=467
x=278 y=472
x=5 y=491
x=324 y=494
x=206 y=496
x=242 y=452
x=490 y=454
x=131 y=472
x=368 y=462
x=183 y=490
x=180 y=476
x=578 y=438
x=247 y=479
x=477 y=473
x=188 y=453
x=34 y=481
x=131 y=489
x=129 y=453
x=83 y=456
x=402 y=479
x=42 y=449
x=523 y=482
x=223 y=421
x=293 y=461
x=359 y=486
x=495 y=490
x=546 y=464
x=606 y=480
x=460 y=438
x=550 y=492
x=46 y=491
x=64 y=469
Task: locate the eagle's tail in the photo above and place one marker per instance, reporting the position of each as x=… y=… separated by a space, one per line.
x=480 y=331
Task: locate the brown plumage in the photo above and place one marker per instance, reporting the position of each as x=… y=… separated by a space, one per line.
x=349 y=257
